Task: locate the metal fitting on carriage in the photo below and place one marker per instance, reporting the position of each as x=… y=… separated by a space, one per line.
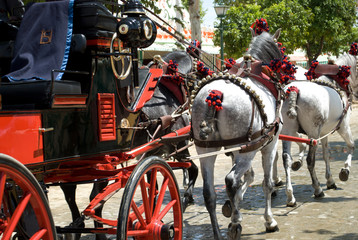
x=136 y=30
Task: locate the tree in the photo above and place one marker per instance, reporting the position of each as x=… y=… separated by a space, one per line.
x=313 y=25
x=331 y=28
x=194 y=15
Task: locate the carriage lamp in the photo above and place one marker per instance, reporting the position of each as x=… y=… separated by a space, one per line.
x=221 y=9
x=136 y=30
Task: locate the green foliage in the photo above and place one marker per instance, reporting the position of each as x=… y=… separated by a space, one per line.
x=237 y=35
x=202 y=11
x=314 y=25
x=151 y=5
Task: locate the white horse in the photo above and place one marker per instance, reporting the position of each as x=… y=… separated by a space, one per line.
x=299 y=76
x=316 y=111
x=243 y=117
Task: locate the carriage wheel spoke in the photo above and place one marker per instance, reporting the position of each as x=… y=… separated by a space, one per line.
x=166 y=209
x=2 y=186
x=39 y=234
x=17 y=215
x=152 y=188
x=144 y=191
x=138 y=214
x=161 y=196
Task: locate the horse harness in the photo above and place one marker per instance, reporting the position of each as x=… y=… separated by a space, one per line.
x=331 y=70
x=251 y=141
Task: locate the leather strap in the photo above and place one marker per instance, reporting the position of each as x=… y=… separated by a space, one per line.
x=259 y=139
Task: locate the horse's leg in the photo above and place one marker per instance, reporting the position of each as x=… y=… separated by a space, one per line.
x=311 y=160
x=287 y=162
x=249 y=177
x=302 y=149
x=330 y=182
x=236 y=189
x=276 y=178
x=268 y=158
x=69 y=191
x=188 y=194
x=97 y=187
x=207 y=172
x=346 y=134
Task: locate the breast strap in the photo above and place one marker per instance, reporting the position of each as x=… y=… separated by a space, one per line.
x=258 y=139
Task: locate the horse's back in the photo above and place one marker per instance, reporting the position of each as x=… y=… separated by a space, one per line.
x=317 y=106
x=236 y=116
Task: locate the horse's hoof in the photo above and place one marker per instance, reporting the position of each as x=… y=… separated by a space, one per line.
x=291 y=204
x=320 y=195
x=60 y=237
x=234 y=231
x=279 y=183
x=296 y=165
x=101 y=237
x=187 y=201
x=274 y=229
x=226 y=209
x=332 y=186
x=69 y=236
x=344 y=174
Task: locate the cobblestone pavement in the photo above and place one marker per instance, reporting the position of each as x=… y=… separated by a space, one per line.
x=333 y=217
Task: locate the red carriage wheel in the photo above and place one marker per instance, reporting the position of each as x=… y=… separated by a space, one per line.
x=24 y=212
x=151 y=203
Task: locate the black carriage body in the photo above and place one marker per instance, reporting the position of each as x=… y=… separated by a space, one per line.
x=45 y=124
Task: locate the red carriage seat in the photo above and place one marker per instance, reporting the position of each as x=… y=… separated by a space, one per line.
x=41 y=55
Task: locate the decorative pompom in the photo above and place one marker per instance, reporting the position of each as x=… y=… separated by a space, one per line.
x=260 y=25
x=229 y=63
x=354 y=49
x=172 y=73
x=343 y=74
x=292 y=89
x=275 y=65
x=215 y=99
x=311 y=72
x=172 y=67
x=194 y=52
x=205 y=71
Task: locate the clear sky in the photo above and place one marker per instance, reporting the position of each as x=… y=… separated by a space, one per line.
x=210 y=15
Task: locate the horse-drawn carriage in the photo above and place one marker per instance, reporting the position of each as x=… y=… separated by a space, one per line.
x=74 y=105
x=70 y=109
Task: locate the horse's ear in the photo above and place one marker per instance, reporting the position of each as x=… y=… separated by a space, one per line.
x=277 y=34
x=252 y=32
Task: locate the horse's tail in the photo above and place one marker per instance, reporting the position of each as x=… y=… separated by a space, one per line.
x=207 y=126
x=292 y=94
x=206 y=129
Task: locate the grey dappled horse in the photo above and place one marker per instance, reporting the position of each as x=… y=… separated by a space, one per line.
x=315 y=111
x=165 y=103
x=238 y=116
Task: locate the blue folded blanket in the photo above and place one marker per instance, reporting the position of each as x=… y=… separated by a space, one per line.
x=43 y=41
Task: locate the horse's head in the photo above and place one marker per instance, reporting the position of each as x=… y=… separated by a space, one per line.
x=264 y=47
x=183 y=59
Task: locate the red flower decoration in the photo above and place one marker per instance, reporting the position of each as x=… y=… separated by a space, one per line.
x=292 y=89
x=260 y=25
x=215 y=99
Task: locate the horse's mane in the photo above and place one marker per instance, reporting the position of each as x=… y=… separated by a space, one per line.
x=264 y=48
x=350 y=60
